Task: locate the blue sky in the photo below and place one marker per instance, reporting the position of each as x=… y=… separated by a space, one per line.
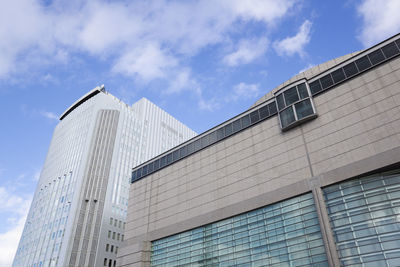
x=201 y=61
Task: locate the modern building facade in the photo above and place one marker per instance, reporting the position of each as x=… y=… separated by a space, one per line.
x=308 y=176
x=78 y=213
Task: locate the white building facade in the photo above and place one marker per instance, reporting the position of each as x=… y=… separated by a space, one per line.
x=78 y=213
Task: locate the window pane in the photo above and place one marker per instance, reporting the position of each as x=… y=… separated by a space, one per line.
x=287 y=117
x=326 y=81
x=228 y=129
x=197 y=145
x=183 y=151
x=220 y=133
x=390 y=50
x=150 y=167
x=280 y=101
x=205 y=140
x=338 y=75
x=350 y=69
x=291 y=96
x=169 y=158
x=190 y=148
x=304 y=109
x=254 y=116
x=213 y=137
x=156 y=164
x=163 y=161
x=272 y=108
x=245 y=121
x=376 y=57
x=363 y=63
x=315 y=87
x=176 y=155
x=133 y=176
x=302 y=88
x=264 y=113
x=236 y=125
x=255 y=238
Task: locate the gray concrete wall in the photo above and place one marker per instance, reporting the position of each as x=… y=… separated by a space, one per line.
x=357 y=130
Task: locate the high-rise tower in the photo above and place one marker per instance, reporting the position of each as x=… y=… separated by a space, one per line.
x=77 y=216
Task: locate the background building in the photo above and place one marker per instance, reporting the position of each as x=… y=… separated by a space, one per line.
x=77 y=216
x=308 y=176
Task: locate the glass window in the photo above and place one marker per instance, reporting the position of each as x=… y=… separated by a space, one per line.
x=302 y=88
x=338 y=75
x=272 y=108
x=315 y=87
x=134 y=176
x=304 y=109
x=190 y=148
x=144 y=170
x=264 y=113
x=255 y=238
x=245 y=121
x=176 y=155
x=236 y=125
x=213 y=137
x=197 y=144
x=350 y=69
x=390 y=50
x=363 y=63
x=220 y=133
x=228 y=129
x=376 y=57
x=364 y=218
x=157 y=164
x=254 y=116
x=326 y=81
x=163 y=161
x=183 y=151
x=280 y=101
x=291 y=96
x=287 y=117
x=150 y=167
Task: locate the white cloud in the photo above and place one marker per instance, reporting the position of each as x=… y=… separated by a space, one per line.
x=295 y=44
x=49 y=115
x=13 y=210
x=143 y=40
x=244 y=91
x=380 y=20
x=248 y=50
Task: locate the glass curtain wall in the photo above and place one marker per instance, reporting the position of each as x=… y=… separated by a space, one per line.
x=365 y=219
x=286 y=233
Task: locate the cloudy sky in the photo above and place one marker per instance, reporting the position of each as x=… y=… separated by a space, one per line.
x=202 y=61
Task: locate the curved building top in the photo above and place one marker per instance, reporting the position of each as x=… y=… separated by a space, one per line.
x=81 y=100
x=307 y=74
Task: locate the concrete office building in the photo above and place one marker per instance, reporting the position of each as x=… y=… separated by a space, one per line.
x=77 y=216
x=308 y=176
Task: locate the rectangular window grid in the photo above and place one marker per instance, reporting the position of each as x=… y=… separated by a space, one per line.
x=286 y=233
x=365 y=219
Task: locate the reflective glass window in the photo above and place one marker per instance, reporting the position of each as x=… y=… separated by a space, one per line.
x=338 y=75
x=302 y=88
x=315 y=87
x=228 y=129
x=350 y=69
x=272 y=108
x=364 y=216
x=280 y=101
x=287 y=117
x=254 y=116
x=326 y=81
x=363 y=63
x=376 y=56
x=390 y=50
x=291 y=96
x=245 y=121
x=264 y=113
x=236 y=125
x=286 y=233
x=304 y=109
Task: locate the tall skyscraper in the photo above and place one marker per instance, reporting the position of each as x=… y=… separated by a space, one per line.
x=77 y=216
